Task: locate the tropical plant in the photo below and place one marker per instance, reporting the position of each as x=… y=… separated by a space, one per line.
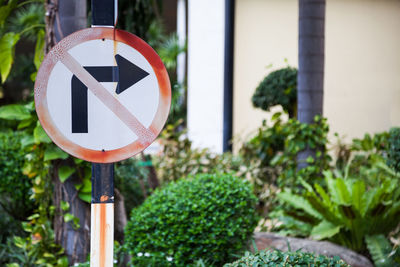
x=346 y=210
x=207 y=217
x=278 y=88
x=286 y=259
x=382 y=252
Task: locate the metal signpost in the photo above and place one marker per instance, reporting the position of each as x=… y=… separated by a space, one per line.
x=102 y=95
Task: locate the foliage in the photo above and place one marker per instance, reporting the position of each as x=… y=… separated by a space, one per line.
x=40 y=154
x=381 y=251
x=264 y=146
x=138 y=17
x=36 y=250
x=275 y=148
x=278 y=88
x=286 y=259
x=24 y=21
x=179 y=159
x=394 y=149
x=346 y=211
x=15 y=187
x=130 y=179
x=207 y=217
x=298 y=137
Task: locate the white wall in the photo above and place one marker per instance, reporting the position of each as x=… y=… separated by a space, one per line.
x=206 y=72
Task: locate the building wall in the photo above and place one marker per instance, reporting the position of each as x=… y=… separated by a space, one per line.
x=206 y=73
x=362 y=61
x=265 y=37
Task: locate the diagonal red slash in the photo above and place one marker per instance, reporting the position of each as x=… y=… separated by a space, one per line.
x=145 y=135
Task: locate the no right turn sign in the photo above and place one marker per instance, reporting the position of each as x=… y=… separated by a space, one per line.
x=102 y=95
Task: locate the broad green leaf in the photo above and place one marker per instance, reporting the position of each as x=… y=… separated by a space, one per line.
x=276 y=116
x=64 y=172
x=323 y=195
x=86 y=186
x=7 y=45
x=25 y=123
x=325 y=230
x=299 y=203
x=5 y=10
x=358 y=197
x=27 y=140
x=27 y=227
x=87 y=197
x=379 y=248
x=34 y=216
x=40 y=135
x=343 y=192
x=19 y=241
x=14 y=112
x=68 y=217
x=305 y=184
x=62 y=262
x=53 y=152
x=64 y=205
x=331 y=184
x=39 y=49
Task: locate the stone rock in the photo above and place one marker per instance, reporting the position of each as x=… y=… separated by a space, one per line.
x=274 y=241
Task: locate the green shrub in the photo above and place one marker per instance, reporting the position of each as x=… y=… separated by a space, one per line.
x=275 y=148
x=278 y=88
x=207 y=217
x=298 y=137
x=287 y=259
x=346 y=211
x=15 y=187
x=394 y=149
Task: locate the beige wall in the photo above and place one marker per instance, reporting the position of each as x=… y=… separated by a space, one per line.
x=265 y=34
x=362 y=64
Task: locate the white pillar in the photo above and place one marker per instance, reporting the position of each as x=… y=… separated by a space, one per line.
x=206 y=20
x=181 y=32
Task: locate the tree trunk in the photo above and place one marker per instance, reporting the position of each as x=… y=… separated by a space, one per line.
x=310 y=79
x=62 y=18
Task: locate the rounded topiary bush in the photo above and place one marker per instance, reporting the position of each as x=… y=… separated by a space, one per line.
x=208 y=217
x=278 y=88
x=287 y=259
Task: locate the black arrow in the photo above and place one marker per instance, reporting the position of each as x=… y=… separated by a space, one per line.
x=125 y=74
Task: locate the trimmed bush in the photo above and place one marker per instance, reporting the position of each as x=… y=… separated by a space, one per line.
x=208 y=217
x=287 y=259
x=278 y=88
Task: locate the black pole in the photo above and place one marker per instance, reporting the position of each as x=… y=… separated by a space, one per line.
x=102 y=183
x=104 y=13
x=228 y=75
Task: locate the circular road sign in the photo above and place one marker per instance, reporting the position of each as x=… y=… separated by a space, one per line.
x=102 y=95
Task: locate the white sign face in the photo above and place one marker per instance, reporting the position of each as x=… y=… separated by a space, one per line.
x=101 y=95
